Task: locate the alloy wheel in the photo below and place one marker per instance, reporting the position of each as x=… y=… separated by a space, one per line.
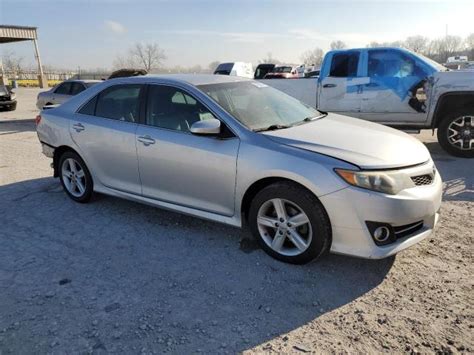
x=73 y=177
x=284 y=227
x=461 y=132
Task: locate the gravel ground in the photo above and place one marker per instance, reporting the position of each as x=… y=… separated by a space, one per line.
x=120 y=277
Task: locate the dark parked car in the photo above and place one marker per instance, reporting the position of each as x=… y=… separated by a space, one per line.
x=282 y=72
x=7 y=98
x=123 y=73
x=262 y=70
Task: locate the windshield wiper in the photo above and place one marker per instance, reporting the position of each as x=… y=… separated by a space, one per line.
x=272 y=127
x=312 y=118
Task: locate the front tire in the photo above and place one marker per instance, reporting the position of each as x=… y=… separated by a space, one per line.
x=456 y=133
x=289 y=223
x=75 y=177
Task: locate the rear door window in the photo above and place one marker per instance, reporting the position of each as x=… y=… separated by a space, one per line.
x=63 y=89
x=344 y=64
x=120 y=102
x=77 y=88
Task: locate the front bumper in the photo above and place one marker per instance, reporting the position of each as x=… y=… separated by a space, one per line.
x=8 y=103
x=350 y=208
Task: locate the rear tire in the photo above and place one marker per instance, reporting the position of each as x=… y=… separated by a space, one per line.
x=75 y=177
x=456 y=133
x=289 y=223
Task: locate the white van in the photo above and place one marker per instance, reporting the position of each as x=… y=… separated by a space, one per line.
x=457 y=58
x=235 y=69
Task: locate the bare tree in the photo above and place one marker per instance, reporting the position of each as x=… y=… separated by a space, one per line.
x=429 y=50
x=148 y=56
x=444 y=47
x=12 y=63
x=313 y=57
x=270 y=59
x=337 y=45
x=417 y=44
x=452 y=44
x=469 y=43
x=374 y=44
x=128 y=61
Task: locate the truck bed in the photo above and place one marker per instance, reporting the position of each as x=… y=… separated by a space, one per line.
x=302 y=89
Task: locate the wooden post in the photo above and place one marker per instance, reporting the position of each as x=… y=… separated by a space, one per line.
x=43 y=83
x=3 y=80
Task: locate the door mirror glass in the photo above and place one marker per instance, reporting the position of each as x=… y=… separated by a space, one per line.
x=208 y=127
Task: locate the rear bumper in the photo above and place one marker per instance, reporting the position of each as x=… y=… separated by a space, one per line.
x=350 y=208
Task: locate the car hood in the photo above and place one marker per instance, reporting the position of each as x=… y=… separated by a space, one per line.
x=459 y=80
x=365 y=144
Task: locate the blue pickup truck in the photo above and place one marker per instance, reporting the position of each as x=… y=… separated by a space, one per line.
x=395 y=87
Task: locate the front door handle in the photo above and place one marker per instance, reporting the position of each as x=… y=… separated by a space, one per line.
x=78 y=127
x=329 y=85
x=146 y=140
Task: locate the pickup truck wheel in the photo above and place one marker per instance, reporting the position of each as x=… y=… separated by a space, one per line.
x=456 y=133
x=289 y=223
x=75 y=177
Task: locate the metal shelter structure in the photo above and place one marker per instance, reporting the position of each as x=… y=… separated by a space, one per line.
x=9 y=34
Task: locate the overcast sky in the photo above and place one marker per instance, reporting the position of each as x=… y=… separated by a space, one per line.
x=90 y=34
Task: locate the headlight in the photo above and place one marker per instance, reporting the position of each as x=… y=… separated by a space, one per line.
x=12 y=96
x=389 y=182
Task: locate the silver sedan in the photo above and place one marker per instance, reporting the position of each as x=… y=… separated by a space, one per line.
x=63 y=92
x=239 y=152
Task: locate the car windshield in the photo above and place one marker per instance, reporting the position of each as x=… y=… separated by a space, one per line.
x=258 y=106
x=282 y=70
x=435 y=65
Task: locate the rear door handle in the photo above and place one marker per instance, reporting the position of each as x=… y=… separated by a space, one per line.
x=329 y=85
x=146 y=140
x=78 y=127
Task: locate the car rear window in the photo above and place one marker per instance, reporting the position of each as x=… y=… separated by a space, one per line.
x=119 y=102
x=282 y=70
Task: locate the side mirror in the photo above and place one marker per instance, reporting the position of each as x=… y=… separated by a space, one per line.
x=210 y=127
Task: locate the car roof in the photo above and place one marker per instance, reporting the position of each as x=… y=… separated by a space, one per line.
x=403 y=49
x=193 y=79
x=82 y=81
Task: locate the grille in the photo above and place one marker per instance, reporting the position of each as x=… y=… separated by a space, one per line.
x=4 y=98
x=420 y=180
x=407 y=229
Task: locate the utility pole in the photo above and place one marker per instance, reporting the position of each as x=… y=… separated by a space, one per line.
x=446 y=45
x=43 y=83
x=2 y=73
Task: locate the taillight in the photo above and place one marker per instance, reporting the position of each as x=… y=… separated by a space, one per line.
x=38 y=119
